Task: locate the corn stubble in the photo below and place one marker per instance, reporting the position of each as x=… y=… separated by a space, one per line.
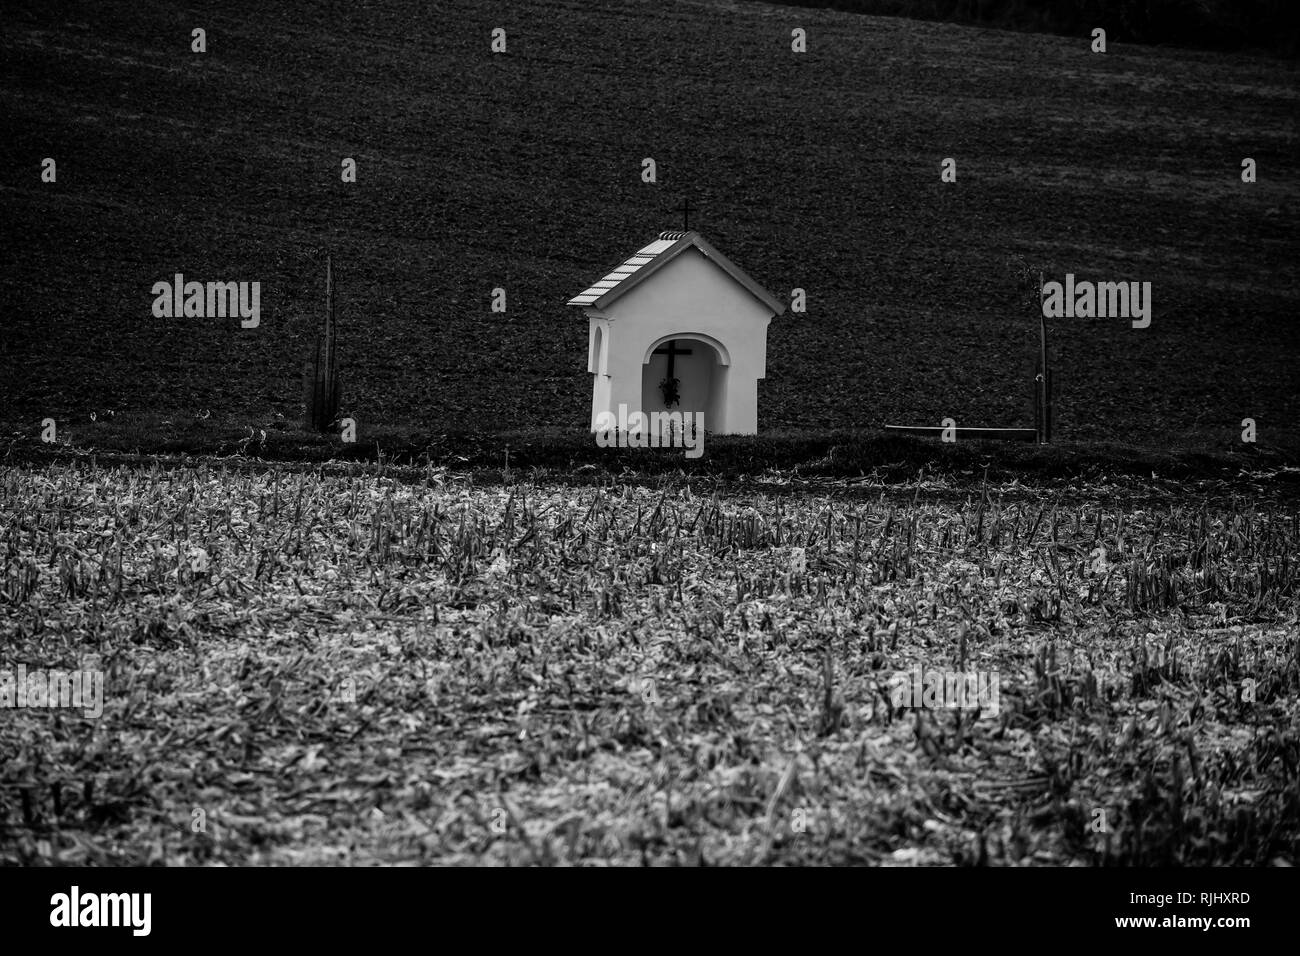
x=350 y=667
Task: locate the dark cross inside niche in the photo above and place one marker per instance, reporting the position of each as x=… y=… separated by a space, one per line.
x=672 y=351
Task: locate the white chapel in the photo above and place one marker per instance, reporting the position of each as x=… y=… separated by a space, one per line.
x=678 y=327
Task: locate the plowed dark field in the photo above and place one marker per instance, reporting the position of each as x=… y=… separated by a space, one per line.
x=522 y=171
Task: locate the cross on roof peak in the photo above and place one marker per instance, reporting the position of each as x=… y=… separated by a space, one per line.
x=685 y=208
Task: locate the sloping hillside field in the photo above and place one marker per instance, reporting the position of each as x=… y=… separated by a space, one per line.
x=522 y=171
x=297 y=668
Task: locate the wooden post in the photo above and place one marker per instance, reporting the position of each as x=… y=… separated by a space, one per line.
x=1049 y=409
x=1043 y=418
x=323 y=387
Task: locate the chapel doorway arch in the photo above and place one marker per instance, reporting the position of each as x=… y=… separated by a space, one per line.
x=699 y=364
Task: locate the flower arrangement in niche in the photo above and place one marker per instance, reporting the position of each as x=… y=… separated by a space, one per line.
x=668 y=388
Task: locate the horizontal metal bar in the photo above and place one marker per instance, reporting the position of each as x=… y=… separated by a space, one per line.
x=995 y=434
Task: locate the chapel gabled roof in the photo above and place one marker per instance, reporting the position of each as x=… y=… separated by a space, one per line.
x=649 y=259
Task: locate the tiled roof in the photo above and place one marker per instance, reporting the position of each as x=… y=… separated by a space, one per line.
x=646 y=260
x=642 y=257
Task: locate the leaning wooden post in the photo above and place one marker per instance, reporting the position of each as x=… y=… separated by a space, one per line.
x=331 y=383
